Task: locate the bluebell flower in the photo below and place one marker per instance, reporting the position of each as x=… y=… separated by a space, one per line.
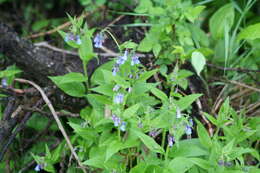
x=170 y=140
x=119 y=98
x=38 y=168
x=116 y=88
x=4 y=83
x=191 y=122
x=135 y=60
x=72 y=37
x=99 y=40
x=116 y=120
x=115 y=70
x=188 y=130
x=78 y=40
x=121 y=59
x=123 y=126
x=178 y=113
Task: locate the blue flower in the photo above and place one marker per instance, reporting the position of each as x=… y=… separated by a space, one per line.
x=178 y=113
x=119 y=98
x=99 y=40
x=129 y=89
x=135 y=60
x=116 y=120
x=115 y=70
x=170 y=140
x=38 y=168
x=116 y=88
x=121 y=60
x=78 y=40
x=123 y=126
x=72 y=37
x=4 y=83
x=188 y=130
x=191 y=122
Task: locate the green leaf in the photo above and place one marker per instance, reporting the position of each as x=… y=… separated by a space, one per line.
x=186 y=101
x=149 y=142
x=129 y=112
x=188 y=148
x=146 y=75
x=198 y=61
x=193 y=13
x=161 y=95
x=203 y=135
x=250 y=33
x=68 y=78
x=106 y=89
x=9 y=72
x=71 y=83
x=205 y=164
x=210 y=118
x=180 y=165
x=223 y=17
x=86 y=49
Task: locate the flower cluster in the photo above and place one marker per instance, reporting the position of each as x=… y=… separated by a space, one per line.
x=119 y=98
x=99 y=40
x=178 y=113
x=72 y=37
x=188 y=127
x=170 y=140
x=122 y=59
x=117 y=122
x=38 y=168
x=4 y=83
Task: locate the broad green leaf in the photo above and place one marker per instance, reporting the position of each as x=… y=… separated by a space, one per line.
x=250 y=33
x=68 y=78
x=205 y=164
x=203 y=135
x=193 y=13
x=86 y=133
x=131 y=111
x=106 y=89
x=161 y=95
x=149 y=142
x=99 y=98
x=86 y=49
x=75 y=89
x=188 y=148
x=141 y=167
x=223 y=17
x=198 y=61
x=97 y=162
x=146 y=75
x=186 y=101
x=98 y=76
x=9 y=72
x=180 y=165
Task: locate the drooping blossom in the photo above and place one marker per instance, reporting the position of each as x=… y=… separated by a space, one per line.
x=135 y=60
x=121 y=59
x=123 y=126
x=119 y=98
x=178 y=113
x=116 y=88
x=38 y=168
x=116 y=120
x=72 y=37
x=99 y=40
x=170 y=140
x=188 y=130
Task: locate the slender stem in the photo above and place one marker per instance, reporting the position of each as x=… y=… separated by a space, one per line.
x=85 y=73
x=112 y=36
x=163 y=139
x=166 y=154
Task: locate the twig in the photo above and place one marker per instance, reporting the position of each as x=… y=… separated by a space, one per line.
x=243 y=85
x=55 y=116
x=232 y=69
x=201 y=113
